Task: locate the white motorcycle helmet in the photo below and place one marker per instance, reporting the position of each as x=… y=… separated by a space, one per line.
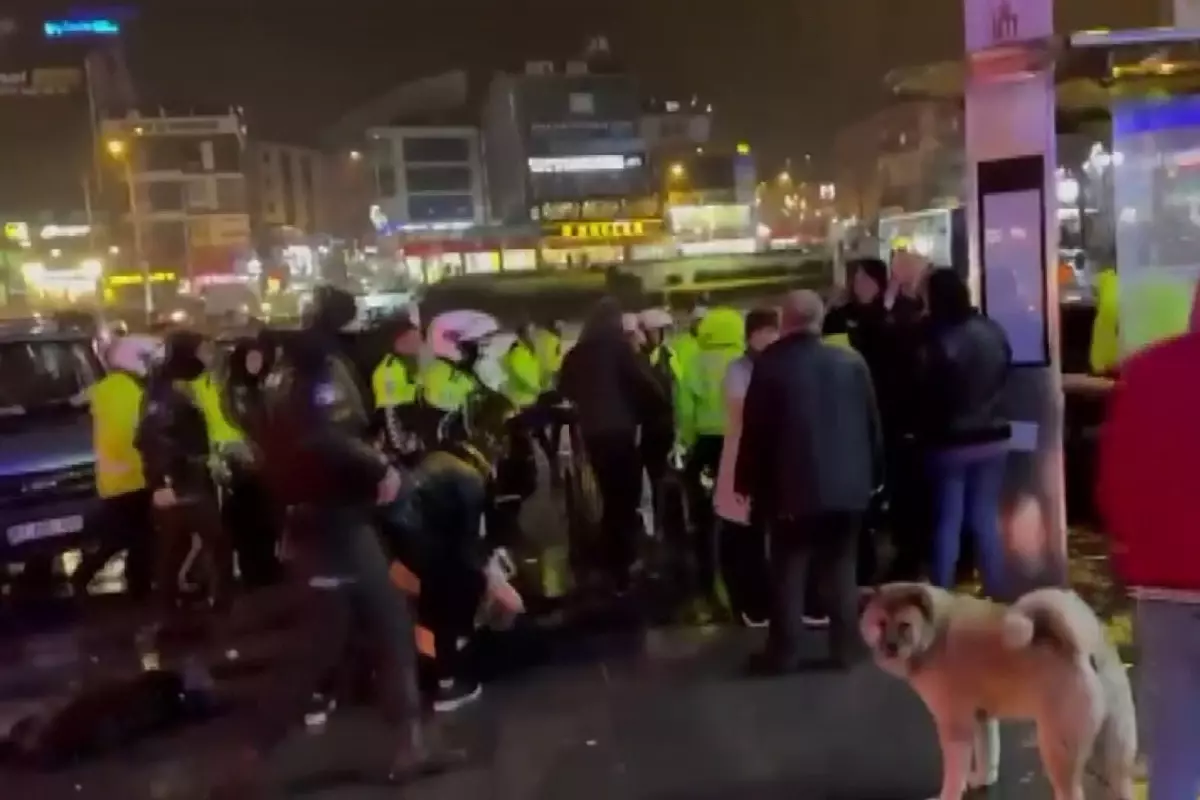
x=656 y=319
x=133 y=354
x=449 y=330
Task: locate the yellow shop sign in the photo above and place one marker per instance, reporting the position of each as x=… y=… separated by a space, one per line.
x=616 y=229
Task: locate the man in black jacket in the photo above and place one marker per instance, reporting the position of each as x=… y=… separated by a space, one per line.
x=319 y=465
x=614 y=392
x=810 y=458
x=172 y=438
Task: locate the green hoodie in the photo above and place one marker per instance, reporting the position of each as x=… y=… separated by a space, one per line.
x=700 y=400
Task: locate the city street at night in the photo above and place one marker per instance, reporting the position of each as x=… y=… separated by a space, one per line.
x=645 y=714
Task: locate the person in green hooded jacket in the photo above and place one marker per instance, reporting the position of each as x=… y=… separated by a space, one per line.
x=700 y=422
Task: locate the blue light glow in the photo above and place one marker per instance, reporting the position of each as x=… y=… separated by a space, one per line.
x=80 y=28
x=1132 y=117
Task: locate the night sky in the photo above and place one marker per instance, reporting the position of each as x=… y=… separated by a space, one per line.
x=783 y=74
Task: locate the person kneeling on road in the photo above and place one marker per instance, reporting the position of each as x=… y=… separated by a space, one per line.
x=434 y=527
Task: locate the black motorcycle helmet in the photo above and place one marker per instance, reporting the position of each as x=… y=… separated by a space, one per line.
x=181 y=356
x=332 y=308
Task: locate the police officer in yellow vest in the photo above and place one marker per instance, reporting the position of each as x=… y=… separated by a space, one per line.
x=700 y=421
x=523 y=381
x=548 y=347
x=123 y=518
x=685 y=343
x=450 y=380
x=209 y=396
x=396 y=387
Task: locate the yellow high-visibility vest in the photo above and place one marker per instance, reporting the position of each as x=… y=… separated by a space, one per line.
x=391 y=385
x=116 y=403
x=207 y=392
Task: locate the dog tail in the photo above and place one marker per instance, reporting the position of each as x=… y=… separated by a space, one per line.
x=1060 y=620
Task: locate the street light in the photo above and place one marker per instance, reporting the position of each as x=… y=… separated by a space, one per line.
x=119 y=150
x=355 y=155
x=678 y=171
x=785 y=177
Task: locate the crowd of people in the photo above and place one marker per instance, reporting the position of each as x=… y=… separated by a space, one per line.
x=777 y=444
x=793 y=454
x=803 y=436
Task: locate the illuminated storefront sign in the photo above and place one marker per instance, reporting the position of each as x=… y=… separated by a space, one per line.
x=65 y=231
x=603 y=163
x=616 y=229
x=80 y=28
x=136 y=279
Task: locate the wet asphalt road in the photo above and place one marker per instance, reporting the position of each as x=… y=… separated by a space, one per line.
x=645 y=713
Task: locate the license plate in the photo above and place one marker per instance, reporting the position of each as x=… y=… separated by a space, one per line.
x=44 y=529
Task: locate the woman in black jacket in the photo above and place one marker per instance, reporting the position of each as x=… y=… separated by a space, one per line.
x=247 y=512
x=965 y=364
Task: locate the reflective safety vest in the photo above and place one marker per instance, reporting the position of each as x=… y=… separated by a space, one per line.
x=207 y=393
x=700 y=401
x=1105 y=348
x=838 y=340
x=445 y=386
x=391 y=384
x=522 y=375
x=685 y=345
x=547 y=346
x=116 y=403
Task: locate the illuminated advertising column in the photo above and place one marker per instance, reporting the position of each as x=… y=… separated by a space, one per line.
x=1013 y=243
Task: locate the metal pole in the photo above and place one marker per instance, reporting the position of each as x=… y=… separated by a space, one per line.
x=87 y=210
x=135 y=218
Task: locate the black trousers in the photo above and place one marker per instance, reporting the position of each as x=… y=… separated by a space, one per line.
x=122 y=523
x=910 y=509
x=742 y=550
x=704 y=458
x=195 y=515
x=350 y=606
x=818 y=550
x=450 y=596
x=618 y=468
x=655 y=449
x=247 y=515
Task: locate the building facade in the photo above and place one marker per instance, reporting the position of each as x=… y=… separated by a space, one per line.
x=428 y=177
x=286 y=185
x=56 y=80
x=905 y=157
x=564 y=152
x=188 y=210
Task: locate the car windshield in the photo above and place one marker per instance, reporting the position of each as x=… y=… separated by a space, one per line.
x=37 y=374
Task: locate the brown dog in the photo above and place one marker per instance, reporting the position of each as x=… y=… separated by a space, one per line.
x=1043 y=659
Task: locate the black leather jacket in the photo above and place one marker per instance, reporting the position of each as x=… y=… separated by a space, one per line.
x=965 y=369
x=172 y=438
x=314 y=439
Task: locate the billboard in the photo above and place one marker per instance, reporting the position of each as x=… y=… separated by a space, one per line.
x=97 y=27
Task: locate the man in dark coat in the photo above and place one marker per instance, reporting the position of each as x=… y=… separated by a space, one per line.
x=811 y=457
x=614 y=392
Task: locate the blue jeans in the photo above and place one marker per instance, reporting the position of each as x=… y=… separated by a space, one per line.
x=1168 y=636
x=967 y=486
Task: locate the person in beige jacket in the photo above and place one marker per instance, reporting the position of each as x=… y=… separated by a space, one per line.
x=741 y=543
